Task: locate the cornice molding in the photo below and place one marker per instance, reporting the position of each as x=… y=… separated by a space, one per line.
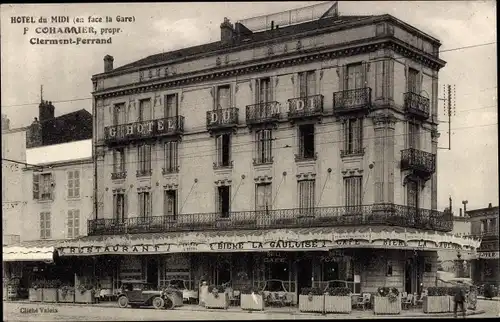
x=265 y=65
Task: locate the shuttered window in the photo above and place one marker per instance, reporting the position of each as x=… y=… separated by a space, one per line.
x=119 y=117
x=264 y=146
x=223 y=97
x=119 y=207
x=413 y=81
x=223 y=150
x=355 y=76
x=171 y=108
x=306 y=194
x=413 y=135
x=36 y=186
x=171 y=156
x=353 y=191
x=353 y=136
x=145 y=205
x=144 y=154
x=73 y=184
x=145 y=111
x=263 y=196
x=73 y=223
x=170 y=203
x=119 y=160
x=307 y=84
x=45 y=225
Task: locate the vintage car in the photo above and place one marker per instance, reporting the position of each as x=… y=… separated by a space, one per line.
x=138 y=293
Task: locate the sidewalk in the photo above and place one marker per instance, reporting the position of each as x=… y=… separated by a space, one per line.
x=496 y=298
x=284 y=310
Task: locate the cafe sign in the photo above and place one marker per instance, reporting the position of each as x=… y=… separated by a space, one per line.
x=279 y=245
x=489 y=255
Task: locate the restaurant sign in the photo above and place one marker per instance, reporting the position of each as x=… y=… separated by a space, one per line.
x=115 y=249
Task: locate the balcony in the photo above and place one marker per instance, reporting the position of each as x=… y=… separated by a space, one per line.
x=416 y=105
x=262 y=113
x=222 y=119
x=170 y=170
x=352 y=101
x=305 y=107
x=144 y=173
x=369 y=215
x=126 y=133
x=423 y=164
x=118 y=175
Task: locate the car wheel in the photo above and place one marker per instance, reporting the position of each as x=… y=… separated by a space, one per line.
x=123 y=302
x=158 y=303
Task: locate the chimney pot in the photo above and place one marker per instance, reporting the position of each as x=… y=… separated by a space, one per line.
x=108 y=63
x=226 y=31
x=489 y=205
x=460 y=212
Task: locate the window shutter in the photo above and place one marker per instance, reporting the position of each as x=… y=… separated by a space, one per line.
x=76 y=177
x=69 y=224
x=420 y=80
x=344 y=77
x=36 y=186
x=355 y=132
x=408 y=76
x=148 y=156
x=42 y=225
x=302 y=84
x=268 y=145
x=311 y=84
x=218 y=144
x=175 y=151
x=76 y=223
x=364 y=73
x=47 y=225
x=257 y=95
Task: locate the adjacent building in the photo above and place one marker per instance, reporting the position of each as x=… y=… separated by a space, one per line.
x=484 y=225
x=303 y=152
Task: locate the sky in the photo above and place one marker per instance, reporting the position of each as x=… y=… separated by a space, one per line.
x=469 y=171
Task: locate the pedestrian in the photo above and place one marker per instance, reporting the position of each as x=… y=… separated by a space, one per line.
x=459 y=300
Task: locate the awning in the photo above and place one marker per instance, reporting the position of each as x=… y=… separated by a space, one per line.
x=35 y=251
x=303 y=239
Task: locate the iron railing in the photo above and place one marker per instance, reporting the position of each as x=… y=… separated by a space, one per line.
x=352 y=100
x=352 y=152
x=118 y=175
x=222 y=118
x=143 y=130
x=144 y=173
x=417 y=104
x=263 y=112
x=305 y=106
x=420 y=161
x=376 y=214
x=170 y=169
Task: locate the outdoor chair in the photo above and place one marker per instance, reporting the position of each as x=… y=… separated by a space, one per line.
x=408 y=302
x=363 y=301
x=420 y=300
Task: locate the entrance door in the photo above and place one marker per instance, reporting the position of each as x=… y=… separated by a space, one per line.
x=408 y=276
x=304 y=274
x=152 y=271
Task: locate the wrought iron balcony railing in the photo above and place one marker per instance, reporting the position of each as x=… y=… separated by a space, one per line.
x=263 y=112
x=144 y=130
x=118 y=175
x=305 y=106
x=222 y=118
x=377 y=214
x=416 y=105
x=170 y=169
x=352 y=152
x=352 y=101
x=423 y=163
x=144 y=173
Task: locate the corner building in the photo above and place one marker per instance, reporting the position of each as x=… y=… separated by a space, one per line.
x=304 y=153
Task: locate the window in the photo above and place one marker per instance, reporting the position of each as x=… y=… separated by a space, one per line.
x=493 y=225
x=171 y=149
x=353 y=137
x=264 y=90
x=171 y=108
x=74 y=184
x=223 y=201
x=306 y=195
x=413 y=135
x=119 y=160
x=306 y=141
x=263 y=196
x=355 y=77
x=119 y=207
x=170 y=203
x=73 y=223
x=223 y=97
x=42 y=186
x=307 y=84
x=412 y=194
x=413 y=86
x=264 y=146
x=145 y=112
x=144 y=160
x=145 y=205
x=45 y=225
x=223 y=147
x=119 y=114
x=353 y=191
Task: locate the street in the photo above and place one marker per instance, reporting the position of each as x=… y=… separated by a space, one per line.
x=48 y=312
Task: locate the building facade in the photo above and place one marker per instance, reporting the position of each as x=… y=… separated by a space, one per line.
x=13 y=201
x=303 y=153
x=484 y=225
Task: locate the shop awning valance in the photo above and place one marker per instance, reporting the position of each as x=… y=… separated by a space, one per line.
x=303 y=239
x=36 y=251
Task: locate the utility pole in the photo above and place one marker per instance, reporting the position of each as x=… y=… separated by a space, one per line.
x=449 y=108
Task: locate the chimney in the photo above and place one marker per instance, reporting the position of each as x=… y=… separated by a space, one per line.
x=451 y=205
x=34 y=135
x=226 y=31
x=45 y=111
x=460 y=212
x=108 y=63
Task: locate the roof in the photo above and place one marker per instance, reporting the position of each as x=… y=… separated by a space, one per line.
x=76 y=150
x=69 y=127
x=207 y=49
